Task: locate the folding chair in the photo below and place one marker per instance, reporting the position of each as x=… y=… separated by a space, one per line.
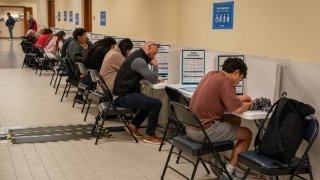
x=174 y=96
x=72 y=79
x=45 y=62
x=60 y=70
x=86 y=88
x=108 y=108
x=31 y=53
x=268 y=166
x=186 y=117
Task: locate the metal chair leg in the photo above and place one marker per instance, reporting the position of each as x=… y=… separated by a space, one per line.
x=167 y=162
x=68 y=89
x=58 y=85
x=65 y=88
x=164 y=135
x=89 y=103
x=54 y=72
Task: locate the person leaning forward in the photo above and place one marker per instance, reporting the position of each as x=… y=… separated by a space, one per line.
x=127 y=90
x=216 y=94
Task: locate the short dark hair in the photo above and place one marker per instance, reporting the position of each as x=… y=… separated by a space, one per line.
x=125 y=45
x=232 y=64
x=8 y=14
x=78 y=32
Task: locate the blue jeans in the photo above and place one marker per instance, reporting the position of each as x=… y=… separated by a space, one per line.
x=147 y=106
x=10 y=28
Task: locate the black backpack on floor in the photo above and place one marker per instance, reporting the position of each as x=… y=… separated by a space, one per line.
x=285 y=129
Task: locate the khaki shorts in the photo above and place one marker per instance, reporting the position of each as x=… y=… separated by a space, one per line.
x=218 y=131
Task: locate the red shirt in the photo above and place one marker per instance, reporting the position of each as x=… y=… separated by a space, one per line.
x=214 y=95
x=42 y=40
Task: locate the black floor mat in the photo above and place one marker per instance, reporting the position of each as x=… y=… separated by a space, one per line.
x=57 y=133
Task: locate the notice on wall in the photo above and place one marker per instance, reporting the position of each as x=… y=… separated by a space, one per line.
x=193 y=66
x=223 y=15
x=76 y=17
x=59 y=16
x=70 y=16
x=137 y=45
x=103 y=18
x=163 y=59
x=65 y=16
x=221 y=59
x=96 y=37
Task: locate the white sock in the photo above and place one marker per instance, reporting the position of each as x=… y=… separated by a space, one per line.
x=230 y=168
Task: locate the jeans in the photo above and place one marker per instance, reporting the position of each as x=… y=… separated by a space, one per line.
x=10 y=28
x=147 y=106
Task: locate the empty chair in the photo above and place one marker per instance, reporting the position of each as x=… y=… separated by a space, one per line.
x=271 y=167
x=186 y=117
x=174 y=96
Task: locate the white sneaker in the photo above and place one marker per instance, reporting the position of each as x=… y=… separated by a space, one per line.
x=234 y=176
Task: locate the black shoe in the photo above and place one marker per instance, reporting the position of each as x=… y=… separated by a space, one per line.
x=79 y=99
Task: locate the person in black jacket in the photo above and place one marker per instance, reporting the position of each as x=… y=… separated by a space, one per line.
x=127 y=90
x=10 y=24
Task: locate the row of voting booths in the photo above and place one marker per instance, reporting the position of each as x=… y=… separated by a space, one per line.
x=183 y=68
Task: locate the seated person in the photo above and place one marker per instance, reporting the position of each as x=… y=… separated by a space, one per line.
x=216 y=94
x=94 y=57
x=127 y=90
x=31 y=36
x=47 y=33
x=113 y=60
x=55 y=42
x=75 y=52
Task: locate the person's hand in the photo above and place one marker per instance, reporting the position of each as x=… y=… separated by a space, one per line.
x=154 y=62
x=245 y=98
x=160 y=80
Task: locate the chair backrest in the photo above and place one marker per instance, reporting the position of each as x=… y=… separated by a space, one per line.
x=73 y=73
x=184 y=115
x=82 y=68
x=176 y=96
x=312 y=129
x=97 y=78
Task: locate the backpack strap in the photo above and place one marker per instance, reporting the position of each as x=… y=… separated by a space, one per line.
x=257 y=140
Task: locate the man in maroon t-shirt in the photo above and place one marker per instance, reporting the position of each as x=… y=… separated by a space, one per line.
x=216 y=94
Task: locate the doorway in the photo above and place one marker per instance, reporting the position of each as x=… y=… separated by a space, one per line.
x=51 y=13
x=27 y=12
x=87 y=15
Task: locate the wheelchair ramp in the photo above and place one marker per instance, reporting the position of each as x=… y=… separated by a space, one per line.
x=57 y=133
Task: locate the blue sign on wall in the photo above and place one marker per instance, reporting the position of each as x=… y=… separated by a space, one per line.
x=223 y=15
x=76 y=16
x=59 y=16
x=64 y=15
x=103 y=18
x=70 y=16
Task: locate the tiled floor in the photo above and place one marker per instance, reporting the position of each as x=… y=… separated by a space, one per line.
x=27 y=100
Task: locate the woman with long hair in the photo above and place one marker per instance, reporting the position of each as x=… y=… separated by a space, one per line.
x=94 y=57
x=55 y=42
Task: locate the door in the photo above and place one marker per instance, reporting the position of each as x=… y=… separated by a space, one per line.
x=51 y=13
x=87 y=15
x=27 y=12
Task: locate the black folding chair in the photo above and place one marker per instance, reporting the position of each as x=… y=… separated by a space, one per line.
x=186 y=117
x=60 y=70
x=72 y=80
x=108 y=108
x=31 y=53
x=174 y=96
x=268 y=166
x=85 y=88
x=45 y=62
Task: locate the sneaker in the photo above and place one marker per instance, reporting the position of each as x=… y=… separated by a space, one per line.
x=134 y=130
x=215 y=165
x=234 y=176
x=152 y=139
